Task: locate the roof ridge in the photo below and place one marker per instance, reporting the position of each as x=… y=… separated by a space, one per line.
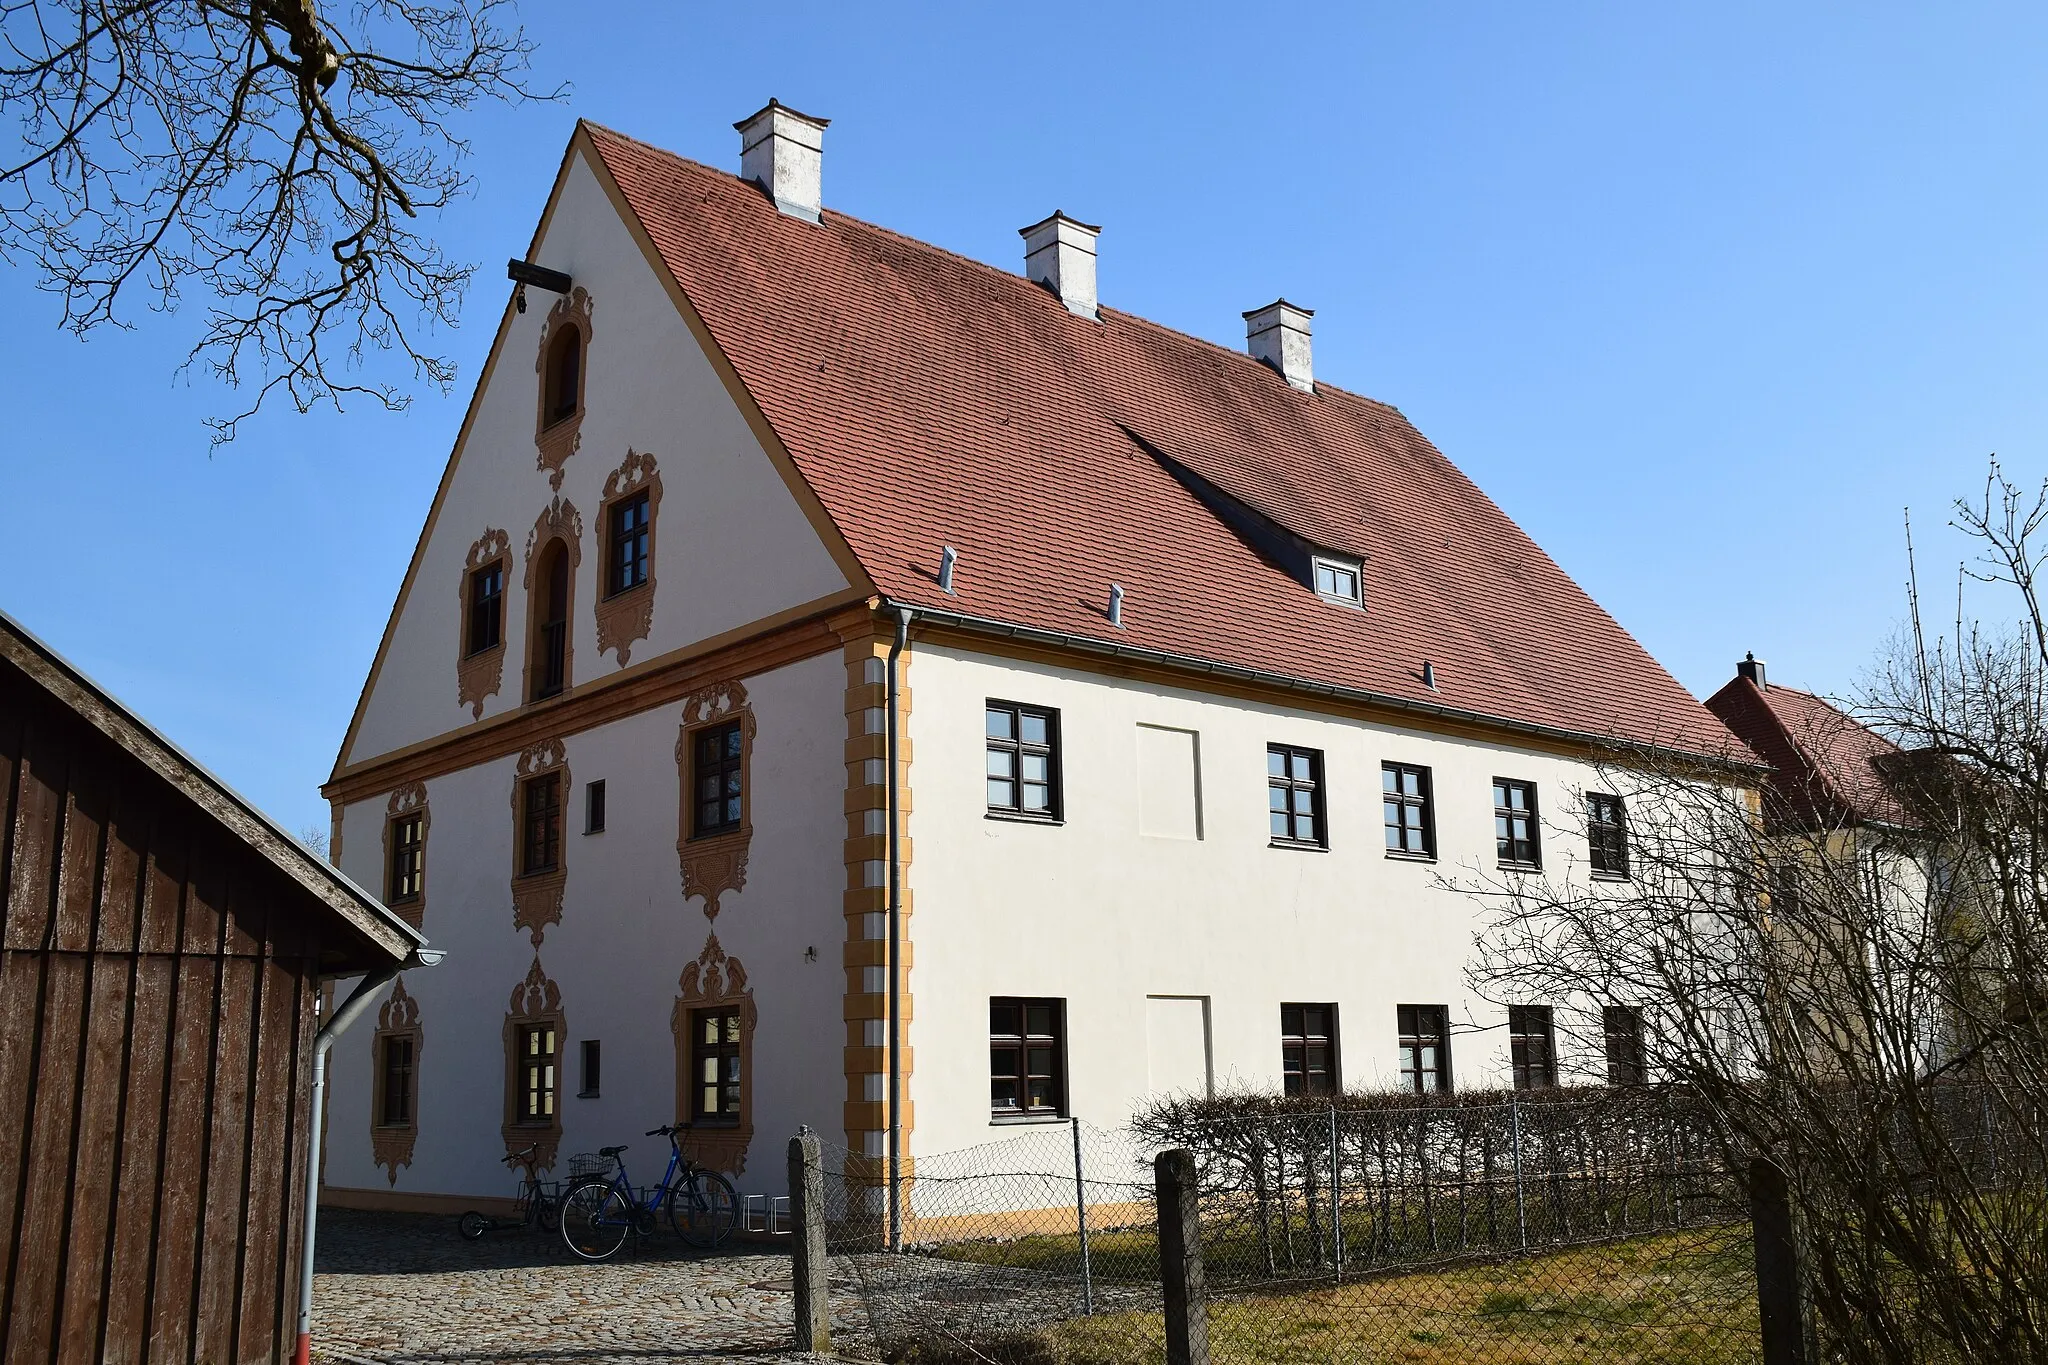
x=1009 y=275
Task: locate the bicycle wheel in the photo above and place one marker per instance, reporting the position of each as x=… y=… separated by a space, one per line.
x=595 y=1220
x=703 y=1210
x=472 y=1225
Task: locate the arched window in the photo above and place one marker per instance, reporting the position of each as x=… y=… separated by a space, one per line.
x=564 y=376
x=550 y=671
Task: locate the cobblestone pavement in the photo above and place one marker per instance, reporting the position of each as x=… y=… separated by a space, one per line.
x=403 y=1289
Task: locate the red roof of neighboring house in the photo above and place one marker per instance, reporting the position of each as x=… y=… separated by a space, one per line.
x=1827 y=763
x=931 y=400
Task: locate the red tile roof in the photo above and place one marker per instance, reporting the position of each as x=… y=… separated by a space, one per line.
x=931 y=400
x=1827 y=764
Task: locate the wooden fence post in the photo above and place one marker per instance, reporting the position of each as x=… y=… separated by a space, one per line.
x=808 y=1271
x=1780 y=1296
x=1182 y=1278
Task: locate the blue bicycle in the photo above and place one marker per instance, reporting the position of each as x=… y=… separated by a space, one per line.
x=597 y=1212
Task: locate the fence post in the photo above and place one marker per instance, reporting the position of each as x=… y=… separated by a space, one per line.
x=1781 y=1304
x=808 y=1272
x=1336 y=1198
x=1081 y=1221
x=1183 y=1281
x=1521 y=1206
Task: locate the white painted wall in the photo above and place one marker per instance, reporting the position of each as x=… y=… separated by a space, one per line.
x=1122 y=905
x=625 y=936
x=725 y=516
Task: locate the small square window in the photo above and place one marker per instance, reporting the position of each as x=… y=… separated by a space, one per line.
x=593 y=807
x=1337 y=580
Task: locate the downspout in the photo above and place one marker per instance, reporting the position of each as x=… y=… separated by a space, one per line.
x=358 y=1001
x=895 y=953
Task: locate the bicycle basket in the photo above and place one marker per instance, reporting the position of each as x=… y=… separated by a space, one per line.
x=587 y=1164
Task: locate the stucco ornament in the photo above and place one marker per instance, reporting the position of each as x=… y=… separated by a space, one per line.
x=625 y=617
x=391 y=1145
x=717 y=863
x=554 y=442
x=537 y=896
x=536 y=1001
x=714 y=982
x=480 y=675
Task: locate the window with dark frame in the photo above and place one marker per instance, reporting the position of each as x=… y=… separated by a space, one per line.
x=397 y=1061
x=406 y=877
x=1026 y=1057
x=487 y=607
x=1411 y=822
x=565 y=374
x=1023 y=774
x=716 y=1054
x=1425 y=1032
x=1514 y=823
x=626 y=565
x=717 y=755
x=1308 y=1049
x=593 y=807
x=1623 y=1025
x=1294 y=796
x=541 y=829
x=551 y=632
x=537 y=1073
x=1607 y=834
x=1532 y=1046
x=593 y=1069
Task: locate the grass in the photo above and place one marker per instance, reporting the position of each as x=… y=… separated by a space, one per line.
x=1687 y=1297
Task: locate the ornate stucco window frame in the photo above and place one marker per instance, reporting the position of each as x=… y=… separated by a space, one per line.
x=554 y=442
x=481 y=674
x=391 y=1145
x=560 y=521
x=714 y=982
x=624 y=617
x=536 y=1000
x=716 y=863
x=537 y=896
x=407 y=801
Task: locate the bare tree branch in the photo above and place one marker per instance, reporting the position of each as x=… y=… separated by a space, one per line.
x=256 y=150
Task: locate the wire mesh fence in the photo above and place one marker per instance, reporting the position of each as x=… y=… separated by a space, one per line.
x=1589 y=1232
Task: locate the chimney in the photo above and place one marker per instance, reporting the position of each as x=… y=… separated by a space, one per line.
x=782 y=151
x=1059 y=253
x=1278 y=335
x=1751 y=668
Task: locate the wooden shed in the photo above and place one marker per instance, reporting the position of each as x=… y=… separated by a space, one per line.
x=163 y=950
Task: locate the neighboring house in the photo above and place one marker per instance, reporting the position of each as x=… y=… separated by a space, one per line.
x=163 y=951
x=1208 y=671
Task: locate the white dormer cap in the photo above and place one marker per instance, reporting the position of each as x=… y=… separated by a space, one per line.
x=1059 y=253
x=1278 y=334
x=783 y=152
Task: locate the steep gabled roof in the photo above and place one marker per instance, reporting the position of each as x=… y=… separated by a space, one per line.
x=930 y=400
x=1827 y=766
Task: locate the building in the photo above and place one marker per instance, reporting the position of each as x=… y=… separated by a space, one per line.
x=1205 y=672
x=164 y=948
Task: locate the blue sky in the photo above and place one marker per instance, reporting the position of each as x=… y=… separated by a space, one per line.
x=1704 y=295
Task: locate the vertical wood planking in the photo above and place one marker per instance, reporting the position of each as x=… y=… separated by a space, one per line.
x=227 y=1151
x=21 y=996
x=269 y=1145
x=53 y=1099
x=184 y=1161
x=96 y=1147
x=78 y=856
x=132 y=1266
x=36 y=834
x=297 y=1146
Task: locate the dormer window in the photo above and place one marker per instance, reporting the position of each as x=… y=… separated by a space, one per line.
x=1337 y=580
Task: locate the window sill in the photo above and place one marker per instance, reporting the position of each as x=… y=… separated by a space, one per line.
x=1520 y=867
x=588 y=832
x=1015 y=1120
x=394 y=1127
x=1612 y=877
x=1297 y=845
x=485 y=652
x=539 y=874
x=1018 y=818
x=717 y=1125
x=616 y=594
x=1402 y=856
x=587 y=1095
x=713 y=836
